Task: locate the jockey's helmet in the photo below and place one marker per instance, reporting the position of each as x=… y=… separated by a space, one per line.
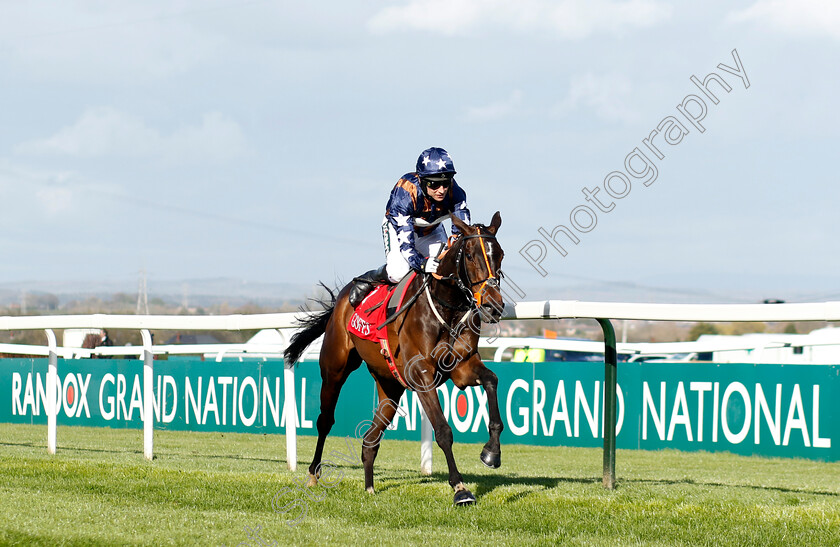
x=435 y=162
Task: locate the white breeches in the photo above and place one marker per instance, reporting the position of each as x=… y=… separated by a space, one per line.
x=395 y=263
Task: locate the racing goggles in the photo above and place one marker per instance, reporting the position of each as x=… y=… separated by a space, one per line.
x=433 y=183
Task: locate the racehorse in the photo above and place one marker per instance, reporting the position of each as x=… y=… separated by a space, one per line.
x=434 y=339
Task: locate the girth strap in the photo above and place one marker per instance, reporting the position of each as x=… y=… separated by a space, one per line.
x=386 y=352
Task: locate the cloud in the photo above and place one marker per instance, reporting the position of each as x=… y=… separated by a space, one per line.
x=106 y=131
x=35 y=192
x=494 y=111
x=104 y=41
x=569 y=19
x=809 y=17
x=604 y=95
x=55 y=200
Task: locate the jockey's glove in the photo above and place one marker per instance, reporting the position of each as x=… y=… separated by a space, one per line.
x=431 y=265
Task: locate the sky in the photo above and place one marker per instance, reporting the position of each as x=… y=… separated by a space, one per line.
x=259 y=140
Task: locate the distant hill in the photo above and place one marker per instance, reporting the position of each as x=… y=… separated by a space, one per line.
x=692 y=287
x=205 y=293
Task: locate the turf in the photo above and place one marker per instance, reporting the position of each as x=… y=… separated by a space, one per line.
x=206 y=488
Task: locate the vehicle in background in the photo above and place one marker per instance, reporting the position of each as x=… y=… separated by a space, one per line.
x=821 y=346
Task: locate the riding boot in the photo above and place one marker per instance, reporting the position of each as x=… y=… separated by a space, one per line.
x=365 y=283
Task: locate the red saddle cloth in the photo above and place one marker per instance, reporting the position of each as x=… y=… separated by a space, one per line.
x=363 y=323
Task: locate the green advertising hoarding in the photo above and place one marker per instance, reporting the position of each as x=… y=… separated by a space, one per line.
x=770 y=410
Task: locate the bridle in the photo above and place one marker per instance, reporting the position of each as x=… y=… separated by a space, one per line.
x=474 y=297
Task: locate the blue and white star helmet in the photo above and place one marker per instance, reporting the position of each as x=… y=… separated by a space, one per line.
x=435 y=161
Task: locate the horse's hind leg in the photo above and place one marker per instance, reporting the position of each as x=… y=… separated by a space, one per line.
x=389 y=399
x=336 y=366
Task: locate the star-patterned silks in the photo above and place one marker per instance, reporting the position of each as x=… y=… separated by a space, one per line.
x=408 y=202
x=441 y=163
x=426 y=160
x=402 y=220
x=404 y=237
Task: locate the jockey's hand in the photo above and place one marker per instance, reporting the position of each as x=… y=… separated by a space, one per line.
x=431 y=265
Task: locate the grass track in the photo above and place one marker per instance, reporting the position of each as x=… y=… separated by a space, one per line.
x=205 y=488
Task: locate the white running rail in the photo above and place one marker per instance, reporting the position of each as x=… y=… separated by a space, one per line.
x=146 y=323
x=548 y=309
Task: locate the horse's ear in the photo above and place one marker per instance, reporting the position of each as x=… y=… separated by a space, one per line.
x=495 y=223
x=460 y=224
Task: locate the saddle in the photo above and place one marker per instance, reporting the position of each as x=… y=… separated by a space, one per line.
x=370 y=318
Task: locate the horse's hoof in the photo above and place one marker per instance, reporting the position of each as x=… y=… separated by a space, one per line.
x=313 y=480
x=370 y=490
x=493 y=460
x=464 y=497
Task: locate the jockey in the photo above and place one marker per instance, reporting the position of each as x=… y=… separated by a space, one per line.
x=412 y=229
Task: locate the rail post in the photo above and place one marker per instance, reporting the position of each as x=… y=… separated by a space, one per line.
x=148 y=396
x=610 y=380
x=52 y=396
x=290 y=412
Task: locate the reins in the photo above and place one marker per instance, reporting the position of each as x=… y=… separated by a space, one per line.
x=431 y=299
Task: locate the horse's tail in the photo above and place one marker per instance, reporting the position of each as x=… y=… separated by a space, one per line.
x=313 y=325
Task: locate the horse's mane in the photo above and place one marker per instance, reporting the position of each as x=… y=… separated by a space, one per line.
x=459 y=240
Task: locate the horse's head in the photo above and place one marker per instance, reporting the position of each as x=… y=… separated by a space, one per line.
x=473 y=263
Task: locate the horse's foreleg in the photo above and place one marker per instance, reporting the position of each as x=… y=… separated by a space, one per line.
x=443 y=436
x=389 y=400
x=491 y=454
x=472 y=372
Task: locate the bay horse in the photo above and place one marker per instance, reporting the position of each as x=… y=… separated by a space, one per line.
x=434 y=340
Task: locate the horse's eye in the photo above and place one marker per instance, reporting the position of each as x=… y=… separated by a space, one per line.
x=469 y=256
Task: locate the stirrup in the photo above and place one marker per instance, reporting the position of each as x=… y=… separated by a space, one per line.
x=365 y=283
